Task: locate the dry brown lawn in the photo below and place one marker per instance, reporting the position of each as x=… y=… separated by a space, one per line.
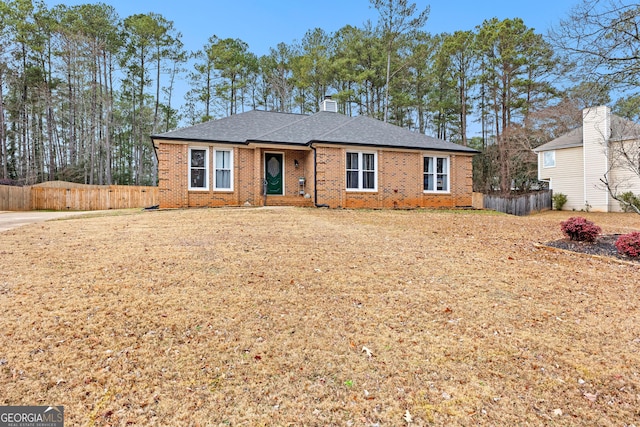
x=214 y=317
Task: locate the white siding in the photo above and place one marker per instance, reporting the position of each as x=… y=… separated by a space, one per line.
x=579 y=171
x=596 y=131
x=623 y=179
x=566 y=177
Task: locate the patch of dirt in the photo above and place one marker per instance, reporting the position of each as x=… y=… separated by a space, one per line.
x=289 y=316
x=603 y=246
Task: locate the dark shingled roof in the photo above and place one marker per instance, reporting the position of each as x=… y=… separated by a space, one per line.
x=295 y=129
x=236 y=128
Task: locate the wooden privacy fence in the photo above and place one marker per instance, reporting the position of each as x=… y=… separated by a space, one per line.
x=73 y=197
x=519 y=205
x=15 y=198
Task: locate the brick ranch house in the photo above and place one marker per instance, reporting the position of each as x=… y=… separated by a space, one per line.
x=326 y=159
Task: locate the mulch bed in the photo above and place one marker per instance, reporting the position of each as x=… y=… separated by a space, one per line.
x=603 y=246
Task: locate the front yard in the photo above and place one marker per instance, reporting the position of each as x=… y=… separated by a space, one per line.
x=287 y=316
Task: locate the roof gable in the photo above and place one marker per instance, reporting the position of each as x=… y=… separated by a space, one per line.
x=568 y=140
x=621 y=129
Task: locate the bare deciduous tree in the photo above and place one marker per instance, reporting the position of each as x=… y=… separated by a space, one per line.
x=602 y=37
x=622 y=179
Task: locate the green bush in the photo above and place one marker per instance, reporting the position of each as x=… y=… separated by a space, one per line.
x=559 y=200
x=580 y=229
x=629 y=199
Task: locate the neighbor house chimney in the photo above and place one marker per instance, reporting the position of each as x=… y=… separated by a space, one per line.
x=329 y=104
x=596 y=131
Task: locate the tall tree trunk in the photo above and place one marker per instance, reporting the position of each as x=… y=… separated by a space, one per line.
x=50 y=126
x=108 y=116
x=157 y=103
x=4 y=158
x=463 y=109
x=386 y=87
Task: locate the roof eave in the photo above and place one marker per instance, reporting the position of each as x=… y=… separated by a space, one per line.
x=557 y=147
x=201 y=140
x=269 y=142
x=400 y=147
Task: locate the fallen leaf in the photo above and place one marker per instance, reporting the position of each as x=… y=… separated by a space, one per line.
x=407 y=417
x=366 y=350
x=590 y=396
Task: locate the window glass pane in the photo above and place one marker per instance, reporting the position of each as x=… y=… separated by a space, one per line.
x=223 y=179
x=441 y=165
x=223 y=159
x=352 y=179
x=428 y=164
x=428 y=182
x=352 y=160
x=368 y=180
x=549 y=159
x=368 y=163
x=442 y=182
x=198 y=158
x=197 y=178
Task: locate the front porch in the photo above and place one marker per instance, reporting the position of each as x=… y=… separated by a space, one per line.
x=285 y=177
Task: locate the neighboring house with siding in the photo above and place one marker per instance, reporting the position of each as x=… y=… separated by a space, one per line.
x=576 y=163
x=262 y=158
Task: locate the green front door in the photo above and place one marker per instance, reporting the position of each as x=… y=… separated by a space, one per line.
x=273 y=173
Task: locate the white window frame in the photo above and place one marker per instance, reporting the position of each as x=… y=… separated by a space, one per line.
x=206 y=168
x=435 y=173
x=216 y=169
x=548 y=159
x=361 y=171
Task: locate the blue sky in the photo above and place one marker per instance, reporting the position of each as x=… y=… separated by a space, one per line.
x=263 y=24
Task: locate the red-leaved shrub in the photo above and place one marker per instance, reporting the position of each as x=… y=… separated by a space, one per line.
x=580 y=229
x=629 y=244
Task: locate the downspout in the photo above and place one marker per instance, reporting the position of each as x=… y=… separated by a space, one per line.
x=315 y=179
x=155 y=151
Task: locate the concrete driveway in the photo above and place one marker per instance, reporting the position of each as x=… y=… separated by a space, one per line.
x=10 y=220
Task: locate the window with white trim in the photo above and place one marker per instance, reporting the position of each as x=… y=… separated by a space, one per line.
x=362 y=173
x=198 y=167
x=549 y=159
x=436 y=174
x=223 y=170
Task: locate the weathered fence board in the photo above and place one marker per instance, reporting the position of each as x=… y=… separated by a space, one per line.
x=15 y=198
x=477 y=200
x=77 y=198
x=519 y=205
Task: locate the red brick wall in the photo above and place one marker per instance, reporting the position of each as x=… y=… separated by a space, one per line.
x=399 y=180
x=248 y=172
x=173 y=175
